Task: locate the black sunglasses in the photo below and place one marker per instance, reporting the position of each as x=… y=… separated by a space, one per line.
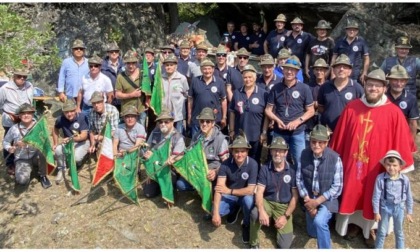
x=94 y=66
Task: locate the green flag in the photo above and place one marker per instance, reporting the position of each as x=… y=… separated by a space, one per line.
x=146 y=84
x=157 y=94
x=38 y=137
x=71 y=163
x=125 y=175
x=193 y=168
x=159 y=172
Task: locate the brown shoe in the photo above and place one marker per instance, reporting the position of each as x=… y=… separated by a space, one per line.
x=370 y=243
x=11 y=170
x=352 y=232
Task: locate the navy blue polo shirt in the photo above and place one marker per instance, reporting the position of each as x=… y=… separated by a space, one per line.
x=275 y=80
x=290 y=104
x=259 y=38
x=355 y=51
x=278 y=185
x=230 y=75
x=182 y=66
x=233 y=37
x=239 y=177
x=79 y=124
x=299 y=45
x=243 y=41
x=407 y=102
x=249 y=112
x=275 y=41
x=207 y=96
x=334 y=101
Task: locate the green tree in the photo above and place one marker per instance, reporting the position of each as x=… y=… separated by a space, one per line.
x=21 y=44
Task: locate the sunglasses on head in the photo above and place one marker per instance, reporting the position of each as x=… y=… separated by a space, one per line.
x=221 y=55
x=206 y=121
x=94 y=66
x=292 y=62
x=78 y=49
x=242 y=57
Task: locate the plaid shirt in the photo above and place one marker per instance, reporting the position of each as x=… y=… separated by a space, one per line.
x=97 y=121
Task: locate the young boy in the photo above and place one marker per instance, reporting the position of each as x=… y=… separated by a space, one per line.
x=392 y=194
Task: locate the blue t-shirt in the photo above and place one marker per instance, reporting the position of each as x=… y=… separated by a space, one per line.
x=79 y=124
x=407 y=102
x=275 y=41
x=299 y=45
x=259 y=38
x=355 y=51
x=239 y=177
x=278 y=185
x=243 y=41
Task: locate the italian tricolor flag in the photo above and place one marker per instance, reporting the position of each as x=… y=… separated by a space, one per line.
x=105 y=162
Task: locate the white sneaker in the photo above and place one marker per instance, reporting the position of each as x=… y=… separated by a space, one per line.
x=59 y=178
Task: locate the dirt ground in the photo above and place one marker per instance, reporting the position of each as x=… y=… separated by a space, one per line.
x=34 y=217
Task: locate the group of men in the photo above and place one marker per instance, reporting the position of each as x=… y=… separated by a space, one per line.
x=341 y=98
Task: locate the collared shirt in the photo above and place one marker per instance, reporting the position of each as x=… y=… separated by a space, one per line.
x=70 y=78
x=334 y=101
x=243 y=41
x=356 y=50
x=97 y=121
x=336 y=186
x=279 y=72
x=275 y=41
x=249 y=111
x=157 y=139
x=101 y=83
x=259 y=38
x=194 y=69
x=14 y=135
x=127 y=138
x=407 y=102
x=277 y=184
x=230 y=76
x=125 y=87
x=207 y=95
x=215 y=146
x=394 y=191
x=274 y=80
x=182 y=65
x=79 y=124
x=298 y=45
x=11 y=97
x=175 y=92
x=239 y=177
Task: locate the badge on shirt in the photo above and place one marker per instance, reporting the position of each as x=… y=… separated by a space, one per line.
x=403 y=105
x=299 y=41
x=152 y=71
x=282 y=38
x=214 y=89
x=240 y=105
x=247 y=38
x=260 y=35
x=224 y=76
x=245 y=176
x=255 y=101
x=76 y=125
x=287 y=178
x=355 y=48
x=233 y=37
x=348 y=96
x=295 y=94
x=408 y=69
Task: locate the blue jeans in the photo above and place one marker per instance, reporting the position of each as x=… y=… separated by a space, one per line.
x=183 y=185
x=318 y=227
x=142 y=119
x=195 y=128
x=86 y=111
x=296 y=145
x=396 y=211
x=230 y=203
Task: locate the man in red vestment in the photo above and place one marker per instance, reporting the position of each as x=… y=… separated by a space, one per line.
x=368 y=127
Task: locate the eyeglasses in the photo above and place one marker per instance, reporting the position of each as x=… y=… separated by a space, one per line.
x=206 y=121
x=166 y=52
x=164 y=122
x=94 y=66
x=78 y=49
x=243 y=57
x=221 y=55
x=21 y=77
x=112 y=52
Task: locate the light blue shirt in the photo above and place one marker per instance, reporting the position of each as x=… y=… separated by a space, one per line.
x=70 y=78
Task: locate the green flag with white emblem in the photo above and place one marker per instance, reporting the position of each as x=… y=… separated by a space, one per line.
x=125 y=175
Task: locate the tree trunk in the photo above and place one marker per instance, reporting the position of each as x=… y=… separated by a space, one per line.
x=173 y=16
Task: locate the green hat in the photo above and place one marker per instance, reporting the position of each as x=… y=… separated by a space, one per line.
x=129 y=110
x=206 y=62
x=26 y=107
x=297 y=21
x=130 y=56
x=240 y=143
x=284 y=54
x=403 y=42
x=320 y=63
x=352 y=24
x=242 y=52
x=377 y=74
x=206 y=114
x=392 y=153
x=280 y=18
x=398 y=72
x=69 y=105
x=248 y=67
x=292 y=62
x=112 y=47
x=78 y=44
x=96 y=97
x=322 y=24
x=167 y=47
x=320 y=133
x=266 y=59
x=202 y=46
x=185 y=44
x=165 y=114
x=171 y=59
x=23 y=72
x=95 y=59
x=149 y=50
x=342 y=60
x=279 y=143
x=221 y=49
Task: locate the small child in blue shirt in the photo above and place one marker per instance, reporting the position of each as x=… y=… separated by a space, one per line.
x=391 y=196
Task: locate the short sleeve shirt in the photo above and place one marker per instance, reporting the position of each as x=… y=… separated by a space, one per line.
x=243 y=41
x=79 y=124
x=259 y=38
x=230 y=76
x=127 y=138
x=157 y=139
x=239 y=177
x=278 y=185
x=298 y=45
x=320 y=50
x=101 y=83
x=275 y=41
x=275 y=80
x=355 y=51
x=407 y=102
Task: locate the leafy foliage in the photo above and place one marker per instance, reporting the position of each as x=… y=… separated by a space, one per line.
x=190 y=12
x=23 y=46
